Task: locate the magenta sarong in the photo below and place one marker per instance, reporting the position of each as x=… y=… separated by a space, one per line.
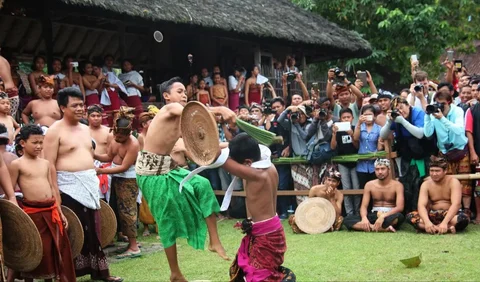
x=261 y=253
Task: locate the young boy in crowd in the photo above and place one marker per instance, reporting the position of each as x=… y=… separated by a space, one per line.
x=9 y=122
x=45 y=111
x=262 y=250
x=42 y=203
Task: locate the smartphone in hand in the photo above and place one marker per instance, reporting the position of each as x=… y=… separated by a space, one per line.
x=362 y=75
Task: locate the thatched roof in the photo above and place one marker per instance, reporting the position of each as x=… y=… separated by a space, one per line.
x=270 y=19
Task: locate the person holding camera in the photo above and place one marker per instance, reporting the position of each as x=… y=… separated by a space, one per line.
x=319 y=136
x=419 y=96
x=235 y=85
x=446 y=120
x=338 y=82
x=367 y=135
x=294 y=97
x=343 y=143
x=414 y=150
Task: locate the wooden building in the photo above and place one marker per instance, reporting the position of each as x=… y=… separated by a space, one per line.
x=222 y=32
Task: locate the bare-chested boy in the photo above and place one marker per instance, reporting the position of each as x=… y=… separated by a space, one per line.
x=102 y=137
x=218 y=93
x=388 y=203
x=45 y=111
x=262 y=250
x=8 y=157
x=330 y=192
x=91 y=83
x=439 y=202
x=178 y=214
x=5 y=118
x=68 y=148
x=123 y=153
x=41 y=201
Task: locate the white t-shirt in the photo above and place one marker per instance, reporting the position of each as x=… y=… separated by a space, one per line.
x=134 y=77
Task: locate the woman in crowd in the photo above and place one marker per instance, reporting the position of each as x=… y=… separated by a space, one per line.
x=74 y=78
x=61 y=80
x=37 y=70
x=91 y=84
x=192 y=88
x=367 y=134
x=253 y=91
x=203 y=96
x=235 y=83
x=133 y=81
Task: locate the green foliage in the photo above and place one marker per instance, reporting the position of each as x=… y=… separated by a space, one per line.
x=398 y=29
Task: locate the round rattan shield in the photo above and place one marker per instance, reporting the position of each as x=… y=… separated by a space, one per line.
x=108 y=223
x=315 y=215
x=22 y=245
x=75 y=231
x=200 y=133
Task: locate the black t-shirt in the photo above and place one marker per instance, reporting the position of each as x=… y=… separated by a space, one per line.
x=345 y=146
x=279 y=130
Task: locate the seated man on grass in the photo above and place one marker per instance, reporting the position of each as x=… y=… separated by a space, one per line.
x=327 y=191
x=388 y=202
x=439 y=202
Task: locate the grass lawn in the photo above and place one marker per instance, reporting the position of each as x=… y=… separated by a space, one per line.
x=339 y=256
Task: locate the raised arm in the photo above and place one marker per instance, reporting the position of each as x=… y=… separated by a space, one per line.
x=8 y=179
x=244 y=172
x=306 y=96
x=371 y=84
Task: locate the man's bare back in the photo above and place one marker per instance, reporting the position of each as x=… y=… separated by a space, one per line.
x=262 y=194
x=32 y=176
x=72 y=142
x=102 y=138
x=44 y=112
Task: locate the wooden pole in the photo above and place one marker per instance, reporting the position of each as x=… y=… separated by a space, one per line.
x=47 y=33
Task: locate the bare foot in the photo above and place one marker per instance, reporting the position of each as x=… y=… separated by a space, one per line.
x=177 y=278
x=452 y=229
x=391 y=229
x=146 y=233
x=219 y=250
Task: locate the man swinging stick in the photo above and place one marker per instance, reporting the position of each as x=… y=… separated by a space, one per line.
x=187 y=214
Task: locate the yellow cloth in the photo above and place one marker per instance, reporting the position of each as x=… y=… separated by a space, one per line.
x=145 y=215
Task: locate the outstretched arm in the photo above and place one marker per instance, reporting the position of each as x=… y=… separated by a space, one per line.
x=244 y=172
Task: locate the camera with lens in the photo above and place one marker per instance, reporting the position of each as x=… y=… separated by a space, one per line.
x=339 y=76
x=291 y=75
x=308 y=110
x=418 y=87
x=322 y=113
x=295 y=116
x=395 y=114
x=435 y=108
x=267 y=108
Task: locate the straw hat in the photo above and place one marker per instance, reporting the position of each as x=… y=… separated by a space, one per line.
x=75 y=231
x=200 y=133
x=108 y=224
x=22 y=245
x=315 y=215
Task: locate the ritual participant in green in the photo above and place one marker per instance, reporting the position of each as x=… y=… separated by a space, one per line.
x=186 y=214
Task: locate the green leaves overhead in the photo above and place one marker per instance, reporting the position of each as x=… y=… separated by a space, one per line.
x=400 y=28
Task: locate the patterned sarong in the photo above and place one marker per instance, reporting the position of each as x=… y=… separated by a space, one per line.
x=178 y=214
x=82 y=186
x=261 y=254
x=57 y=260
x=126 y=190
x=437 y=216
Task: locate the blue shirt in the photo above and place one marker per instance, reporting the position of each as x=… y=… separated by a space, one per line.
x=368 y=144
x=417 y=119
x=450 y=130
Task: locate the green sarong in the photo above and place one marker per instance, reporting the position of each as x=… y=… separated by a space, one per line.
x=179 y=215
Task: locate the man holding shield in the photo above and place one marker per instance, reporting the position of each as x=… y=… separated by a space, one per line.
x=186 y=214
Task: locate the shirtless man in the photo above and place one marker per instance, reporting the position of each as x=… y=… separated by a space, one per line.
x=262 y=250
x=155 y=168
x=439 y=202
x=330 y=192
x=101 y=135
x=218 y=93
x=388 y=202
x=384 y=102
x=41 y=201
x=123 y=153
x=68 y=148
x=91 y=84
x=12 y=126
x=45 y=111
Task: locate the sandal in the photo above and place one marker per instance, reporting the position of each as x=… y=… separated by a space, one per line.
x=129 y=254
x=123 y=239
x=122 y=250
x=113 y=279
x=146 y=233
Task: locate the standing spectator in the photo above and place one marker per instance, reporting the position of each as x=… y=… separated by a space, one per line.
x=20 y=99
x=134 y=83
x=343 y=143
x=202 y=95
x=61 y=80
x=91 y=83
x=290 y=64
x=466 y=97
x=218 y=92
x=367 y=134
x=278 y=74
x=344 y=94
x=421 y=97
x=235 y=84
x=192 y=88
x=449 y=127
x=74 y=78
x=472 y=128
x=206 y=77
x=37 y=70
x=253 y=91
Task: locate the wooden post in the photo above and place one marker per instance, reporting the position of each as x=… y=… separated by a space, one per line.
x=257 y=56
x=47 y=33
x=121 y=40
x=391 y=156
